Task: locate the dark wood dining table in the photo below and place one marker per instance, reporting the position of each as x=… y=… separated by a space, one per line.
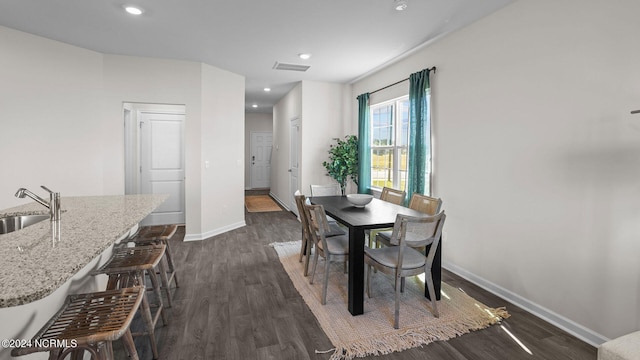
x=375 y=215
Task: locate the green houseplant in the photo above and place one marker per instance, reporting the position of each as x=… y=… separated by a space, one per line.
x=343 y=161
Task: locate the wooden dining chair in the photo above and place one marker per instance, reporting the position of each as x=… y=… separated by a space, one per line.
x=392 y=195
x=425 y=204
x=331 y=248
x=305 y=247
x=325 y=190
x=402 y=260
x=307 y=242
x=389 y=195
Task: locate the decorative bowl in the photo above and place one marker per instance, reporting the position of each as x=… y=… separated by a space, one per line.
x=359 y=200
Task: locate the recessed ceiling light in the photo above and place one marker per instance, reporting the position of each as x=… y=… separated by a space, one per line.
x=304 y=56
x=400 y=5
x=267 y=89
x=254 y=105
x=133 y=10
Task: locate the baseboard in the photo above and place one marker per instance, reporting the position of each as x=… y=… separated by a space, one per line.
x=218 y=231
x=279 y=201
x=587 y=335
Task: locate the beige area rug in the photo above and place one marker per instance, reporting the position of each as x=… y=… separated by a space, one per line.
x=372 y=333
x=260 y=203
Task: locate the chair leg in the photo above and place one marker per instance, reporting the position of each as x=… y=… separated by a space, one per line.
x=368 y=277
x=325 y=284
x=315 y=265
x=307 y=257
x=303 y=247
x=148 y=320
x=156 y=289
x=171 y=267
x=396 y=321
x=130 y=347
x=432 y=293
x=165 y=280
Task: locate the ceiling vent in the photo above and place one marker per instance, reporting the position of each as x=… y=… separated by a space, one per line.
x=290 y=67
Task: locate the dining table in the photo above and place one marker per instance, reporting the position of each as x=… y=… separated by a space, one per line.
x=375 y=215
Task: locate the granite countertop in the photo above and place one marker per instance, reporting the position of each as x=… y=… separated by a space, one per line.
x=34 y=262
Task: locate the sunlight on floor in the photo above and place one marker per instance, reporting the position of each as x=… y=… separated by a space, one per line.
x=516 y=340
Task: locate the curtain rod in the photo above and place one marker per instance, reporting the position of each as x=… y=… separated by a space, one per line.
x=398 y=82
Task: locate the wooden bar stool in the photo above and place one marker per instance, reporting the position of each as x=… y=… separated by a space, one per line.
x=127 y=267
x=89 y=322
x=160 y=234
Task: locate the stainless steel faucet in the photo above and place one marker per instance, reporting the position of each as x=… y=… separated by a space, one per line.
x=53 y=204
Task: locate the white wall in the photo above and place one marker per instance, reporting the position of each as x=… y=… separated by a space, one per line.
x=254 y=122
x=147 y=80
x=287 y=109
x=321 y=108
x=537 y=158
x=50 y=102
x=62 y=118
x=322 y=113
x=222 y=134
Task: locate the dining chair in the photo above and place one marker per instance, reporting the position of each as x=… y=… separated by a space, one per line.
x=423 y=203
x=392 y=195
x=331 y=248
x=389 y=195
x=402 y=260
x=426 y=204
x=325 y=190
x=307 y=241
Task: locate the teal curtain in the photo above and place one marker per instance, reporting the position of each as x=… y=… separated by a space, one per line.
x=419 y=133
x=364 y=145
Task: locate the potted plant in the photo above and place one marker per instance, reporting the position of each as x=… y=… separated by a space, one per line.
x=343 y=161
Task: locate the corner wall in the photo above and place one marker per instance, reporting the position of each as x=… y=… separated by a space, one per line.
x=537 y=158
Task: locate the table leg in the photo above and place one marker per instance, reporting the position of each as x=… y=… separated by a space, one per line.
x=356 y=271
x=436 y=271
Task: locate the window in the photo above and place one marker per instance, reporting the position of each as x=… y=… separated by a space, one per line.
x=389 y=143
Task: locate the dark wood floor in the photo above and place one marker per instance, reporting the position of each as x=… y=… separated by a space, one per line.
x=235 y=301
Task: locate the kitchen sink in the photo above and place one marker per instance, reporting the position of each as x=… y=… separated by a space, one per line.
x=13 y=223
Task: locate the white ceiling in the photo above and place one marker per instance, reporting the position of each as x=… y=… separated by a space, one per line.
x=347 y=39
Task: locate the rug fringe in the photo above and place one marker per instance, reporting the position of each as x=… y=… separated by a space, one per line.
x=411 y=338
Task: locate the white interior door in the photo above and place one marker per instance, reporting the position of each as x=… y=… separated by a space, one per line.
x=162 y=164
x=294 y=163
x=261 y=145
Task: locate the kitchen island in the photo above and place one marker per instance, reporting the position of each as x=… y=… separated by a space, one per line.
x=43 y=263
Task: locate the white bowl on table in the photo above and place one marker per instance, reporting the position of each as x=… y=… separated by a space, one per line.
x=359 y=200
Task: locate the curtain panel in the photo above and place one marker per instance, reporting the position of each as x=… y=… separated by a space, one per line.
x=419 y=134
x=364 y=145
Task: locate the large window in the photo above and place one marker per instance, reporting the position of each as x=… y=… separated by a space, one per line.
x=389 y=143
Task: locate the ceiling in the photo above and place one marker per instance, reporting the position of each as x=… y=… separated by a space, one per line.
x=347 y=39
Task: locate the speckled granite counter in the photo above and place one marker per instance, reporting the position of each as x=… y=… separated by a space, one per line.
x=33 y=265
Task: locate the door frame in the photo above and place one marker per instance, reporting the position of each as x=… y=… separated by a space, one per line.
x=133 y=143
x=294 y=140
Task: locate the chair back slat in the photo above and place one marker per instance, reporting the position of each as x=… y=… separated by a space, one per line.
x=426 y=204
x=325 y=190
x=393 y=196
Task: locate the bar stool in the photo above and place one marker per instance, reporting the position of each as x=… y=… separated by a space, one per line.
x=89 y=322
x=160 y=234
x=127 y=267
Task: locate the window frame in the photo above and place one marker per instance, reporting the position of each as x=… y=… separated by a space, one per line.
x=399 y=176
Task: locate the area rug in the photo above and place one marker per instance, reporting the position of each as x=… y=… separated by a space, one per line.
x=372 y=333
x=260 y=203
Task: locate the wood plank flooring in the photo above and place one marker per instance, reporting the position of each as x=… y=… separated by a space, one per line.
x=235 y=301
